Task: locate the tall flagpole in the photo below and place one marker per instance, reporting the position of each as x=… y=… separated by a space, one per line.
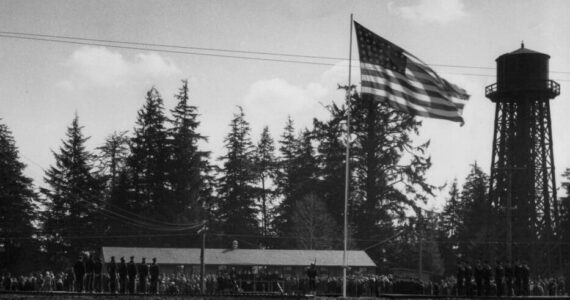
x=347 y=168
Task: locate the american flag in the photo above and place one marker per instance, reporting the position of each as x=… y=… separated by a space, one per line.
x=391 y=74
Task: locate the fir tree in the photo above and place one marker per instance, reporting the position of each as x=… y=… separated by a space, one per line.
x=237 y=212
x=149 y=158
x=265 y=169
x=331 y=156
x=187 y=163
x=17 y=208
x=476 y=232
x=73 y=196
x=388 y=167
x=298 y=178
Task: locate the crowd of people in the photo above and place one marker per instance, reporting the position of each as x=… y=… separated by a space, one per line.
x=90 y=275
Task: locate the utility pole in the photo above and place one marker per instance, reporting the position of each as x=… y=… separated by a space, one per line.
x=421 y=253
x=202 y=264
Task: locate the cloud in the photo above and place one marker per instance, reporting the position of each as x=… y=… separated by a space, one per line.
x=427 y=11
x=268 y=102
x=101 y=67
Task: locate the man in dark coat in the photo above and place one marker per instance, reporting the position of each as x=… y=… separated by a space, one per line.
x=112 y=271
x=468 y=279
x=460 y=279
x=89 y=265
x=132 y=270
x=518 y=278
x=487 y=274
x=525 y=278
x=79 y=273
x=154 y=272
x=312 y=274
x=123 y=272
x=509 y=275
x=143 y=274
x=479 y=278
x=98 y=272
x=499 y=278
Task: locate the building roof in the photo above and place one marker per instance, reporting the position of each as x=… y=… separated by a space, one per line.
x=253 y=257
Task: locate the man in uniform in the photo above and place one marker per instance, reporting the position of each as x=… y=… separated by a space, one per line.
x=97 y=270
x=468 y=279
x=518 y=278
x=460 y=279
x=132 y=271
x=487 y=274
x=525 y=275
x=479 y=278
x=89 y=265
x=143 y=273
x=123 y=272
x=154 y=277
x=312 y=274
x=79 y=273
x=112 y=271
x=509 y=275
x=499 y=278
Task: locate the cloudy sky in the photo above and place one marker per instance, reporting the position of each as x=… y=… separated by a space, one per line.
x=220 y=45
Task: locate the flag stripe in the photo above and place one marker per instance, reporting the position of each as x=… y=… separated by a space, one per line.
x=412 y=86
x=418 y=98
x=391 y=74
x=404 y=105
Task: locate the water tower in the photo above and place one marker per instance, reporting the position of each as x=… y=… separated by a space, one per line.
x=523 y=186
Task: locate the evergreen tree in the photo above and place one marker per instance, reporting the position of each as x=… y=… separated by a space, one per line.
x=72 y=200
x=298 y=178
x=17 y=208
x=564 y=226
x=285 y=179
x=265 y=168
x=476 y=233
x=388 y=168
x=237 y=212
x=112 y=158
x=331 y=156
x=149 y=159
x=449 y=223
x=187 y=164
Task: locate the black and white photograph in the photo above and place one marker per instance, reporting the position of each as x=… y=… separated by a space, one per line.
x=284 y=149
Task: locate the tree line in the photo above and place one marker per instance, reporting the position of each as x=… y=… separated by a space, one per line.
x=156 y=186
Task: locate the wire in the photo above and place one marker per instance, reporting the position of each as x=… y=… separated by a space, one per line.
x=165 y=50
x=97 y=42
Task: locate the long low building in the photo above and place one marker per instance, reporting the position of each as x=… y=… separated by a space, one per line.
x=287 y=262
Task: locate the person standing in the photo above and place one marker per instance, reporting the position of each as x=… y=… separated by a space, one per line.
x=487 y=274
x=89 y=265
x=460 y=279
x=525 y=279
x=499 y=278
x=98 y=272
x=123 y=272
x=518 y=278
x=468 y=279
x=143 y=273
x=509 y=275
x=132 y=271
x=78 y=274
x=479 y=278
x=312 y=274
x=112 y=271
x=154 y=272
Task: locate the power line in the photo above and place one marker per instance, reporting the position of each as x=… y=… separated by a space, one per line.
x=97 y=42
x=164 y=50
